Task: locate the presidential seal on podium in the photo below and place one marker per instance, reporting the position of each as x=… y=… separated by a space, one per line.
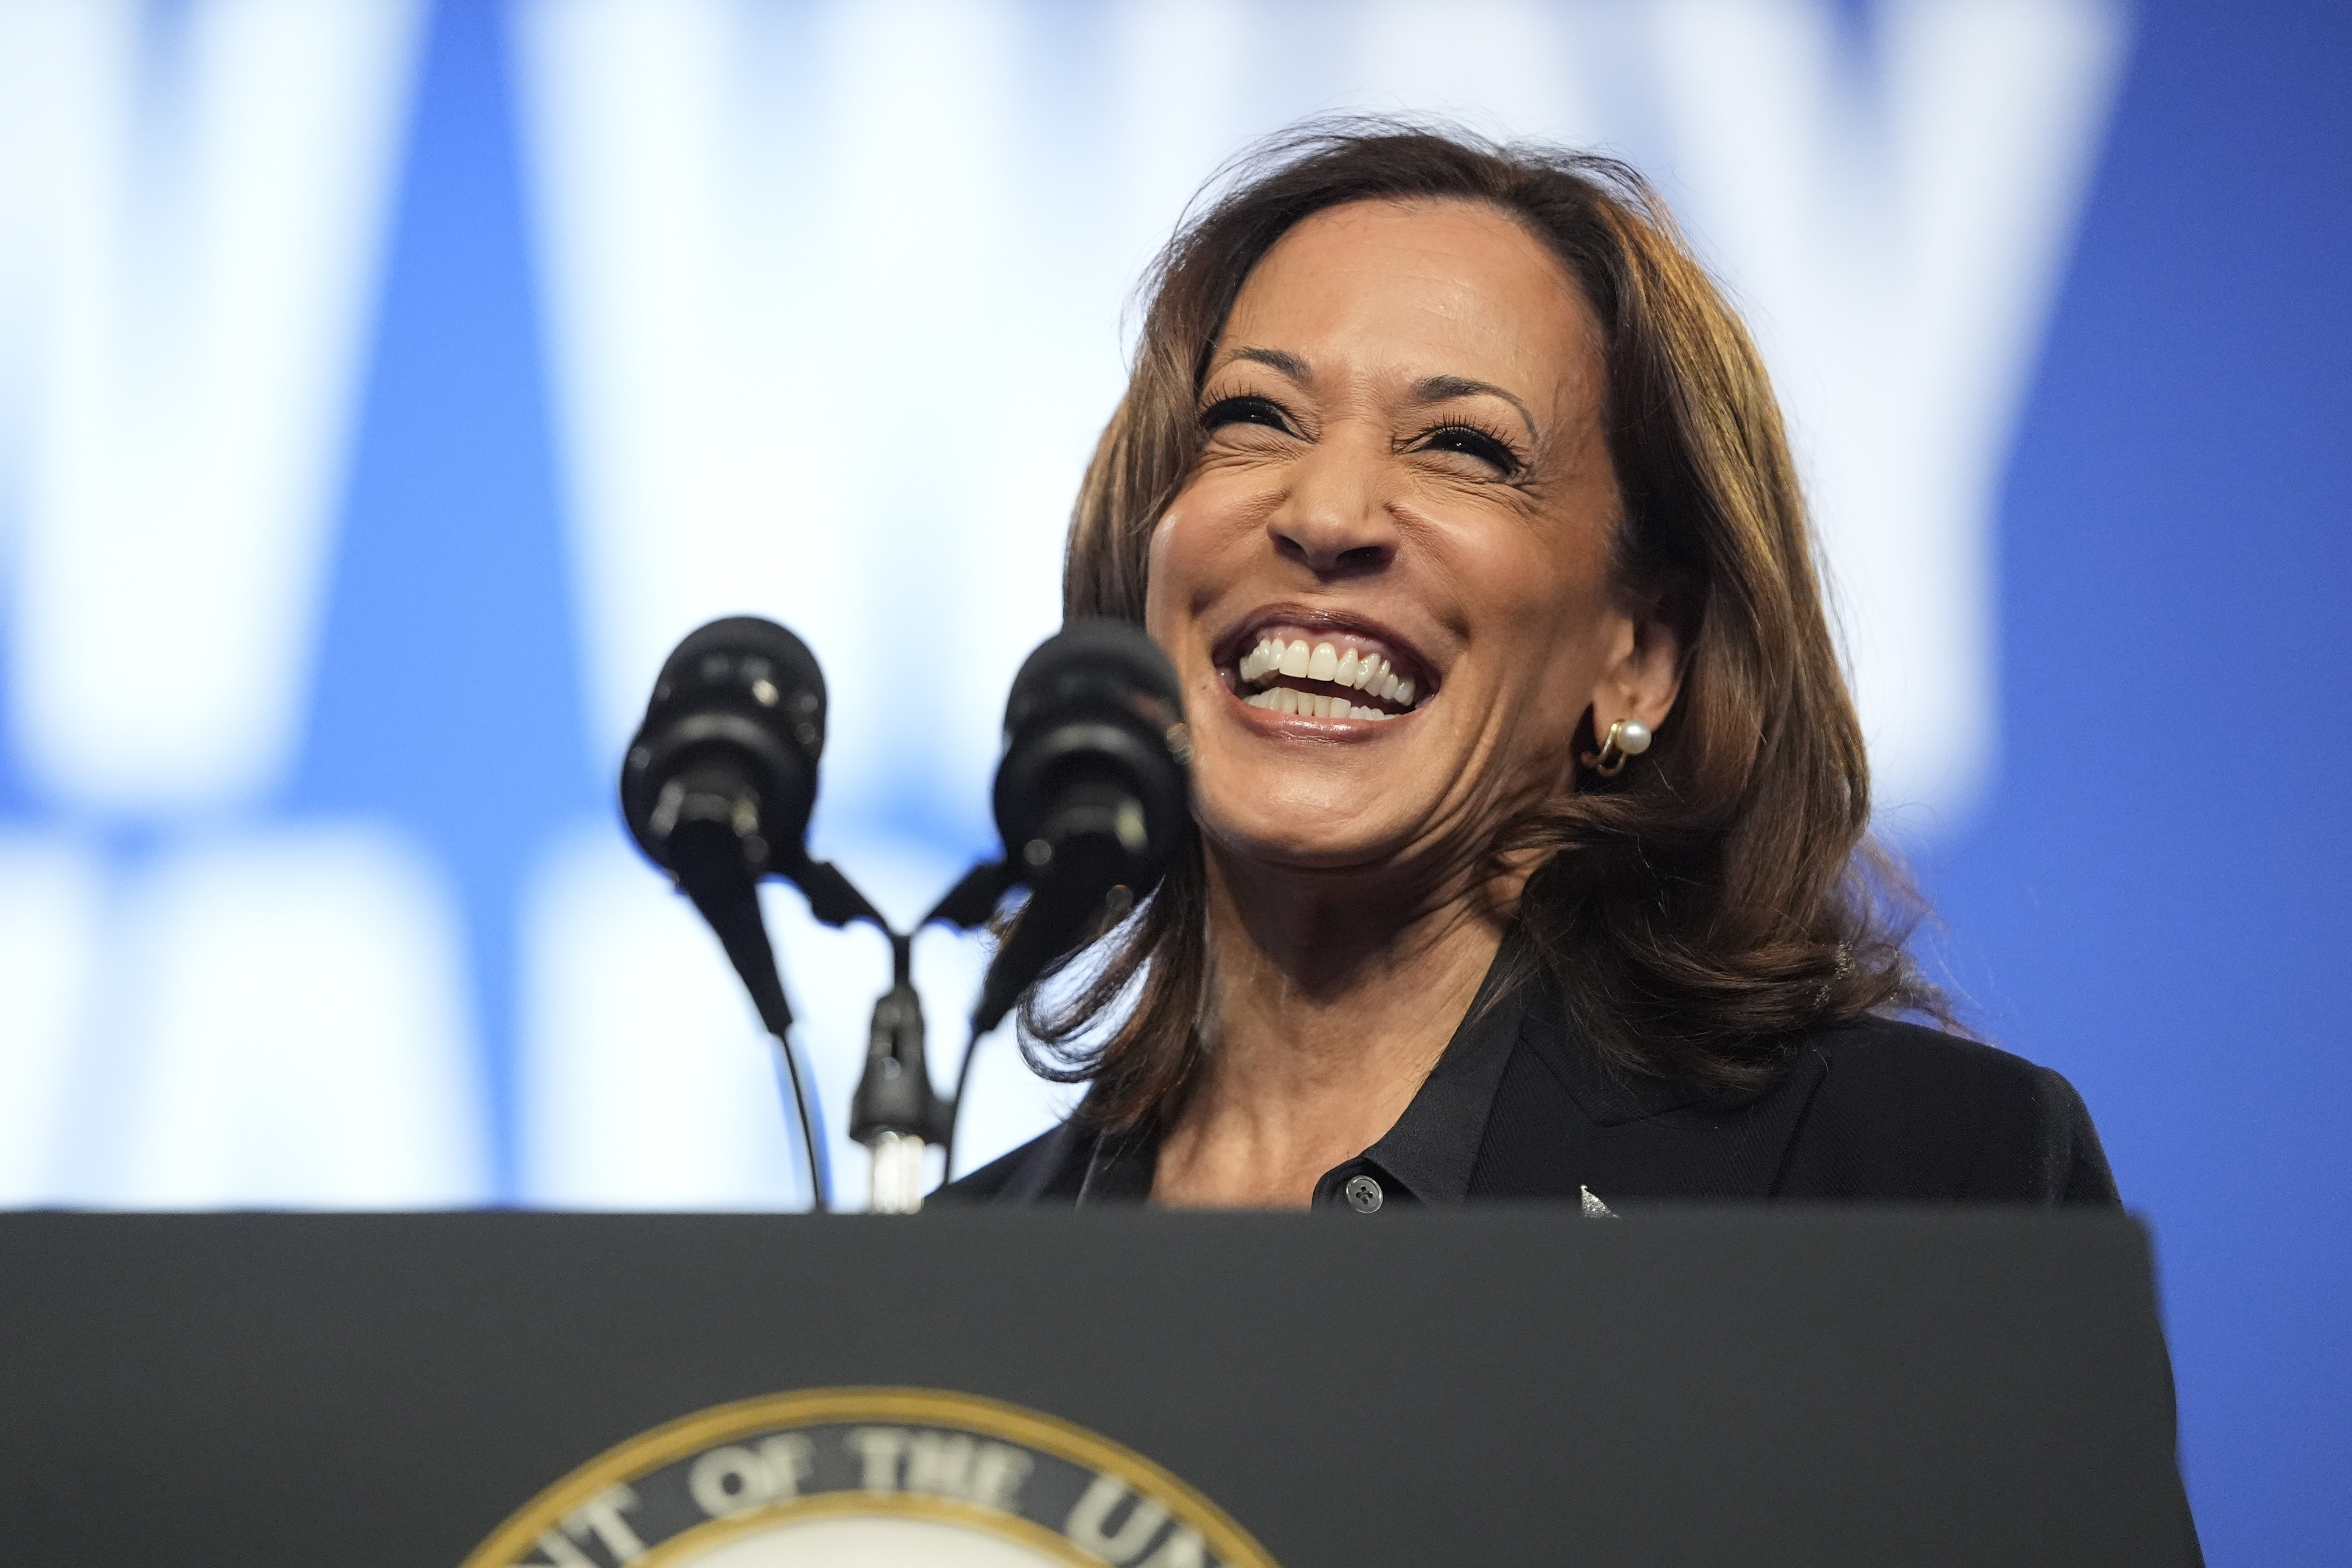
x=875 y=1477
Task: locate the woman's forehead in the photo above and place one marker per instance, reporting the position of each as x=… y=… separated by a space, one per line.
x=1410 y=290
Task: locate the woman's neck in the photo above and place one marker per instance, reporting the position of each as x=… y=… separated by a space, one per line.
x=1330 y=1000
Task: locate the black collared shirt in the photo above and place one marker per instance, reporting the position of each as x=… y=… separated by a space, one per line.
x=1518 y=1107
x=1428 y=1157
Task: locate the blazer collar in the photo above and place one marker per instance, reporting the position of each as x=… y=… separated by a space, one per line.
x=1607 y=1097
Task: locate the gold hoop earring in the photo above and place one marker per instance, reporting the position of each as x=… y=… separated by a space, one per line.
x=1627 y=738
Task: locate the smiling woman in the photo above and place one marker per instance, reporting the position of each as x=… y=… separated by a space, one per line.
x=1449 y=481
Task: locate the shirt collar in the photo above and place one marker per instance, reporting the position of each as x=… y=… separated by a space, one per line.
x=1426 y=1157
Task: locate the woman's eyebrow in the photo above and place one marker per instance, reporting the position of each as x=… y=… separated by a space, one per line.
x=1281 y=360
x=1445 y=388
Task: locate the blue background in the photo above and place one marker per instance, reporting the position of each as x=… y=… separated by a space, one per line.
x=2148 y=901
x=2153 y=900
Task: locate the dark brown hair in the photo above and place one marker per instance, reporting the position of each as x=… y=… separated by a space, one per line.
x=1718 y=899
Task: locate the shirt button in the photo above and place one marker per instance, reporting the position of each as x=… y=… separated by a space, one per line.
x=1363 y=1194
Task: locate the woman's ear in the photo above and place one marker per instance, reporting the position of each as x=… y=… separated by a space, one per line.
x=1646 y=676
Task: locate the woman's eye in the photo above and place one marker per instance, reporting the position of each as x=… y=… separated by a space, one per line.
x=1472 y=442
x=1243 y=411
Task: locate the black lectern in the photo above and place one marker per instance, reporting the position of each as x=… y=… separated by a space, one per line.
x=1148 y=1390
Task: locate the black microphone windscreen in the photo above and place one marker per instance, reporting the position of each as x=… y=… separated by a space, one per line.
x=740 y=706
x=741 y=651
x=1090 y=659
x=1099 y=700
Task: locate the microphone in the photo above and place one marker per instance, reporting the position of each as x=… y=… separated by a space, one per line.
x=717 y=789
x=1093 y=799
x=722 y=776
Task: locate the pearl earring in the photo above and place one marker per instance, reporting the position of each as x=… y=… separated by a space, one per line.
x=1627 y=738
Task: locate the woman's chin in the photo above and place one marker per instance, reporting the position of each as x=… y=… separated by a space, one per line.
x=1335 y=837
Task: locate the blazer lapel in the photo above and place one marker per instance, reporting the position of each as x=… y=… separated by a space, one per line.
x=1563 y=1124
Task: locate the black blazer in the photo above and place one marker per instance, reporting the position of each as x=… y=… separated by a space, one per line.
x=1874 y=1110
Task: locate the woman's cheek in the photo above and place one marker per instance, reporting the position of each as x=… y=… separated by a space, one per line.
x=1165 y=571
x=1198 y=552
x=1163 y=535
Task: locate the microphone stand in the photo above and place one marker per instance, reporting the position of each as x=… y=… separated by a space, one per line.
x=895 y=1112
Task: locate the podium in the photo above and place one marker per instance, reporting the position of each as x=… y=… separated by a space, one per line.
x=1149 y=1389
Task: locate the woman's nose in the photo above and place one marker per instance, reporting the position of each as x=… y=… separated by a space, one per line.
x=1335 y=520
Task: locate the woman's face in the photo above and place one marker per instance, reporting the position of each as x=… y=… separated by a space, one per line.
x=1406 y=473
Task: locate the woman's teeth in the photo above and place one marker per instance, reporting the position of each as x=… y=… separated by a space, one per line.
x=1366 y=672
x=1285 y=699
